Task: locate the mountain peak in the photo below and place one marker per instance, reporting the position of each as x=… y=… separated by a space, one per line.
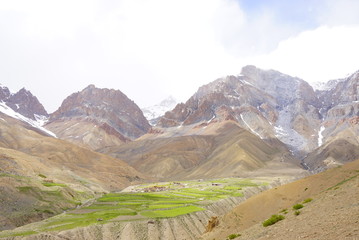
x=108 y=109
x=23 y=102
x=91 y=86
x=152 y=113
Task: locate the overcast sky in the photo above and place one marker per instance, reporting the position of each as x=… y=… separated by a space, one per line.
x=150 y=49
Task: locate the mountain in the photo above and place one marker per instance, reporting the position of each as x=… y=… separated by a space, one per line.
x=41 y=176
x=266 y=102
x=340 y=124
x=98 y=117
x=24 y=107
x=153 y=113
x=221 y=149
x=23 y=102
x=320 y=127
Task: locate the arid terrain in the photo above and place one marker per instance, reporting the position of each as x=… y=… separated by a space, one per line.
x=332 y=213
x=241 y=150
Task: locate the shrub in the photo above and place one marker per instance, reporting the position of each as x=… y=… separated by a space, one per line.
x=285 y=211
x=233 y=236
x=296 y=213
x=42 y=175
x=298 y=206
x=307 y=200
x=272 y=220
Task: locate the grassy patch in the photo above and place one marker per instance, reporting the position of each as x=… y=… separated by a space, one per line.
x=171 y=212
x=296 y=213
x=297 y=206
x=233 y=236
x=232 y=188
x=272 y=220
x=69 y=221
x=17 y=234
x=51 y=184
x=161 y=206
x=307 y=200
x=25 y=189
x=285 y=211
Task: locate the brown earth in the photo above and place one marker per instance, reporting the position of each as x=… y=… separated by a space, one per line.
x=222 y=150
x=333 y=213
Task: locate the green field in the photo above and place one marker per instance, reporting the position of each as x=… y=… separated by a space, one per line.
x=173 y=199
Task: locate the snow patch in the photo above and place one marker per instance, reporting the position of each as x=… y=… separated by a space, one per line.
x=250 y=128
x=248 y=83
x=37 y=124
x=286 y=134
x=160 y=109
x=41 y=120
x=211 y=119
x=320 y=136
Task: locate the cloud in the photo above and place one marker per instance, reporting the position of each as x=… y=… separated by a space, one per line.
x=336 y=13
x=152 y=48
x=318 y=55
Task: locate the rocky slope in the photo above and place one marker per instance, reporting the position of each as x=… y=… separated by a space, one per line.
x=340 y=124
x=23 y=102
x=273 y=105
x=98 y=117
x=268 y=103
x=30 y=160
x=218 y=150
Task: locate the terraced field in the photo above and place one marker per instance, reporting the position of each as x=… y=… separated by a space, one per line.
x=148 y=201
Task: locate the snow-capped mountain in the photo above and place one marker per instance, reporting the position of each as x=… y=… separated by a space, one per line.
x=268 y=103
x=158 y=110
x=326 y=86
x=25 y=107
x=23 y=102
x=34 y=123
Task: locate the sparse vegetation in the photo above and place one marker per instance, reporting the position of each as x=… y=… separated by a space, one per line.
x=171 y=212
x=307 y=200
x=233 y=236
x=298 y=206
x=42 y=175
x=296 y=213
x=342 y=182
x=272 y=220
x=52 y=184
x=285 y=211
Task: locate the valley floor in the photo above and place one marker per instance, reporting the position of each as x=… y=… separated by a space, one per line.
x=171 y=210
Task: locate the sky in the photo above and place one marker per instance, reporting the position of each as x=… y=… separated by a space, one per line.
x=150 y=49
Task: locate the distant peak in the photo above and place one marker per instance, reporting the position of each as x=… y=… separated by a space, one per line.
x=91 y=86
x=249 y=68
x=23 y=90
